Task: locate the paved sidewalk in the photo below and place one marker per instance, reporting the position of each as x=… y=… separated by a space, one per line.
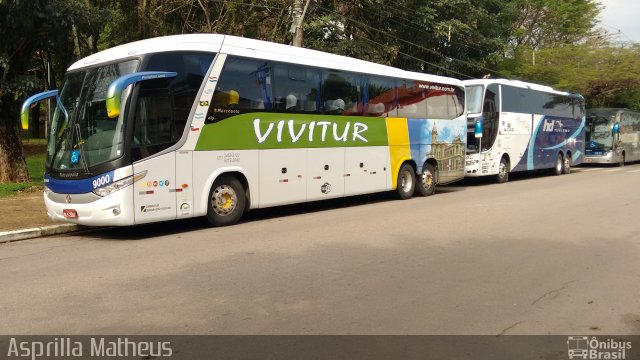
x=24 y=216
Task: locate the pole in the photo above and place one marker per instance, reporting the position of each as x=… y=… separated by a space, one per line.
x=46 y=125
x=299 y=12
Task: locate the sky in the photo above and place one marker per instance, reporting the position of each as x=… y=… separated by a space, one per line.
x=621 y=15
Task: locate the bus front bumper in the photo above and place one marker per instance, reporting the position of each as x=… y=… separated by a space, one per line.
x=115 y=209
x=610 y=157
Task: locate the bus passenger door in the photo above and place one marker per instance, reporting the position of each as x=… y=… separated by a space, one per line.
x=154 y=131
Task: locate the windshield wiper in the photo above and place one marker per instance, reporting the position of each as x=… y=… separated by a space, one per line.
x=82 y=152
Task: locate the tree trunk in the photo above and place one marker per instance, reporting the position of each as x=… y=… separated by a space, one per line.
x=13 y=167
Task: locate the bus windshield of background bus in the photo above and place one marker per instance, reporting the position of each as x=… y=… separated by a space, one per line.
x=598 y=132
x=474 y=99
x=81 y=133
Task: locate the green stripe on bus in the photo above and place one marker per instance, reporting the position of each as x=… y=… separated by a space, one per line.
x=284 y=131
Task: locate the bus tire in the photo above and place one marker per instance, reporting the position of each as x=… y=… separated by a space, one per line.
x=426 y=184
x=503 y=171
x=567 y=164
x=227 y=201
x=558 y=168
x=406 y=182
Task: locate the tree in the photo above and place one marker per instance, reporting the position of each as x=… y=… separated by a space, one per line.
x=549 y=23
x=608 y=76
x=460 y=38
x=23 y=25
x=35 y=33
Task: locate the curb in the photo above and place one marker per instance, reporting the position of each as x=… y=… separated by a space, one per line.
x=24 y=234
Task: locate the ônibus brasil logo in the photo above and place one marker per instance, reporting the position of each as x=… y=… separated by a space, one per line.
x=583 y=347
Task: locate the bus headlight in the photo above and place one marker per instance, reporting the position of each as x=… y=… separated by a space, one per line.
x=120 y=184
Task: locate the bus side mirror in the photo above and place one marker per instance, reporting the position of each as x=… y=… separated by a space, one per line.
x=26 y=105
x=478 y=128
x=114 y=93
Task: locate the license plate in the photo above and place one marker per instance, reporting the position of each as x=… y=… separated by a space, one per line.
x=70 y=213
x=587 y=160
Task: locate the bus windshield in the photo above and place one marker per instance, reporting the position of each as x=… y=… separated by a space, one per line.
x=598 y=132
x=474 y=99
x=81 y=133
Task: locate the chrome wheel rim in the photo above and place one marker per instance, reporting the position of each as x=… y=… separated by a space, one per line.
x=406 y=182
x=224 y=200
x=427 y=179
x=567 y=164
x=559 y=165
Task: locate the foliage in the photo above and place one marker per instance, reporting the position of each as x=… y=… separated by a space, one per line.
x=606 y=76
x=551 y=23
x=435 y=36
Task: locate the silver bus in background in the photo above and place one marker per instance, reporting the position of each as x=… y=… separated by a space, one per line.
x=612 y=136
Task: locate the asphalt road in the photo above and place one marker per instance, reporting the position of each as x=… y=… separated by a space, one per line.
x=538 y=255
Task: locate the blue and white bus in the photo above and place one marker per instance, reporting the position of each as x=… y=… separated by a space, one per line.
x=517 y=126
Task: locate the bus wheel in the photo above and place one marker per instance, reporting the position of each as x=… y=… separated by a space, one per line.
x=427 y=183
x=622 y=161
x=567 y=165
x=503 y=171
x=559 y=168
x=406 y=182
x=226 y=201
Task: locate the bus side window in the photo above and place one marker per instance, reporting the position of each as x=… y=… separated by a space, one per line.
x=341 y=93
x=380 y=96
x=245 y=85
x=296 y=88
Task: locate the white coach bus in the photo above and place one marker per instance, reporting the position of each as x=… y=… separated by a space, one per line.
x=213 y=125
x=516 y=126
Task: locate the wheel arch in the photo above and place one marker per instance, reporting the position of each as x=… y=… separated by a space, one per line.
x=396 y=170
x=434 y=163
x=507 y=157
x=237 y=172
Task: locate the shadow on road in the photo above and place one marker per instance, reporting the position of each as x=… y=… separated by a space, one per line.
x=144 y=231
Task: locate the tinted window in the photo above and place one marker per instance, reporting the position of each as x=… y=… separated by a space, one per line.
x=163 y=106
x=255 y=85
x=244 y=85
x=341 y=93
x=490 y=116
x=527 y=101
x=421 y=99
x=297 y=88
x=380 y=96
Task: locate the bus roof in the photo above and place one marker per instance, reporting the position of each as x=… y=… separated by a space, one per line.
x=240 y=46
x=516 y=83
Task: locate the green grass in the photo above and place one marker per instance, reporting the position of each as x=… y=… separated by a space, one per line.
x=35 y=166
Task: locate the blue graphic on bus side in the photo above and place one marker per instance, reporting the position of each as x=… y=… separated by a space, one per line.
x=551 y=136
x=78 y=186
